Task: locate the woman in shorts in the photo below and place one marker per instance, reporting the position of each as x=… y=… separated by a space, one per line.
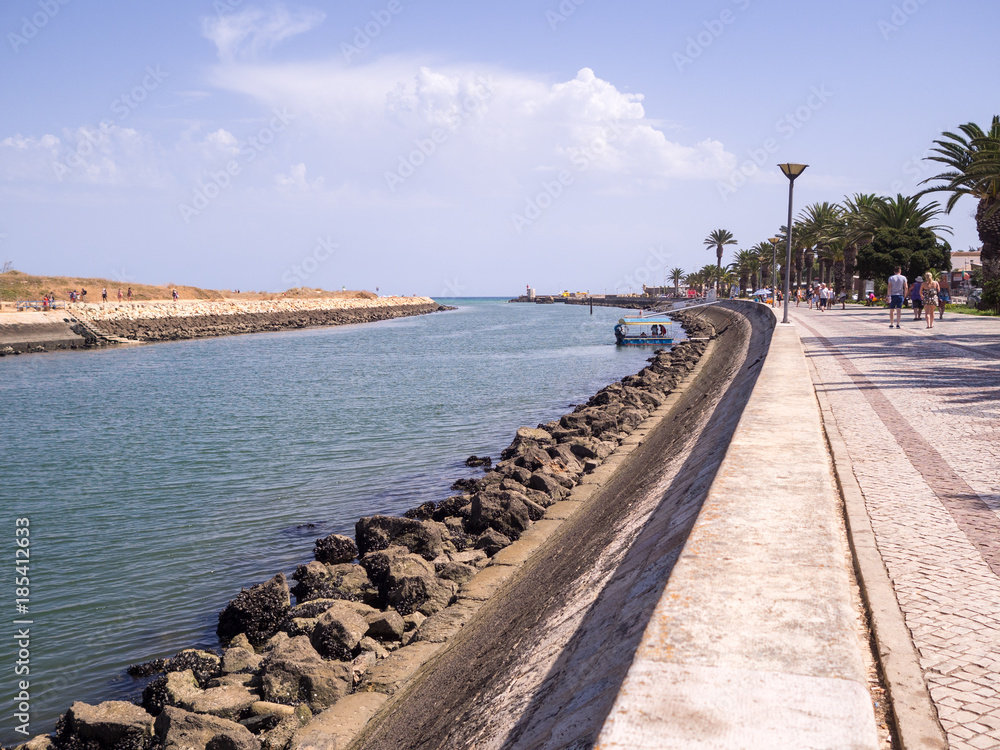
x=929 y=296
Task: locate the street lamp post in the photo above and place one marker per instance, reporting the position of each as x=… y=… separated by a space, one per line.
x=791 y=172
x=774 y=270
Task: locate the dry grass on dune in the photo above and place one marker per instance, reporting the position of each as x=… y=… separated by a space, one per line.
x=15 y=285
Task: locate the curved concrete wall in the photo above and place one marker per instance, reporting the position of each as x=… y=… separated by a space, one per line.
x=545 y=660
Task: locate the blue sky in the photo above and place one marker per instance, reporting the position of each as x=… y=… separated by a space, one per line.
x=455 y=149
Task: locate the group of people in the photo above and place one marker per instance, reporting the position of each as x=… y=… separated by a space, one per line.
x=926 y=294
x=820 y=295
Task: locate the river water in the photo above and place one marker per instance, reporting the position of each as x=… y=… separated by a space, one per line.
x=159 y=480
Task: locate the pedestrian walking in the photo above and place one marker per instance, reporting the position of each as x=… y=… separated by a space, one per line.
x=119 y=295
x=897 y=288
x=824 y=297
x=916 y=299
x=128 y=294
x=928 y=293
x=944 y=294
x=104 y=295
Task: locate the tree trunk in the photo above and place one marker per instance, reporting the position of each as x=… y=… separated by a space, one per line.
x=989 y=233
x=850 y=262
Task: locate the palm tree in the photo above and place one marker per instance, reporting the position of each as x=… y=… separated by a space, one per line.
x=745 y=266
x=676 y=275
x=719 y=239
x=696 y=280
x=973 y=161
x=857 y=211
x=765 y=258
x=822 y=224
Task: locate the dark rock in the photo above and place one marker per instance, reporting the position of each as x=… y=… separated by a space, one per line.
x=454 y=571
x=112 y=725
x=387 y=568
x=379 y=532
x=256 y=611
x=456 y=505
x=492 y=541
x=386 y=626
x=177 y=729
x=338 y=632
x=502 y=510
x=479 y=461
x=422 y=594
x=545 y=482
x=294 y=672
x=345 y=581
x=532 y=457
x=463 y=485
x=335 y=549
x=423 y=512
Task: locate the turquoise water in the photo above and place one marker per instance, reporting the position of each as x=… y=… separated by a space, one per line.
x=158 y=480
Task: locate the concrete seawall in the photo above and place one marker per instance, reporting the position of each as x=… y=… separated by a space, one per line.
x=38 y=331
x=676 y=603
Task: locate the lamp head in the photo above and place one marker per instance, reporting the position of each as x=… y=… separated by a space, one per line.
x=792 y=170
x=775 y=240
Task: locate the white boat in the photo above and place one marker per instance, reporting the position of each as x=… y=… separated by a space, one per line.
x=656 y=330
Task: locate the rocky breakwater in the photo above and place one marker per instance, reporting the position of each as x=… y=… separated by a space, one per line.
x=306 y=665
x=166 y=321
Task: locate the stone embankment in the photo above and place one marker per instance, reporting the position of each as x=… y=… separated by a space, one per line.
x=93 y=324
x=369 y=611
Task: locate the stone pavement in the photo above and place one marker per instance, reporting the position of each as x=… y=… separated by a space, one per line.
x=919 y=412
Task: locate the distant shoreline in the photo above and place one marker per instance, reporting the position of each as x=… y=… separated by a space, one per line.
x=90 y=325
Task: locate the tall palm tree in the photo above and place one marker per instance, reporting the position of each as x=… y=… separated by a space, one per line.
x=745 y=266
x=859 y=232
x=676 y=275
x=822 y=224
x=973 y=161
x=718 y=239
x=765 y=257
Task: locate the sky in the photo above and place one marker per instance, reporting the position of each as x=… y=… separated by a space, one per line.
x=460 y=148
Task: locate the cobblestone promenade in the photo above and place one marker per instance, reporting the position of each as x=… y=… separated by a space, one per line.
x=919 y=411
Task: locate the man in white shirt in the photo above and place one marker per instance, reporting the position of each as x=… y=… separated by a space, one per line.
x=897 y=288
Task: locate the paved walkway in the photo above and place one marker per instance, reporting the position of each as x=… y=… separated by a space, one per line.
x=919 y=411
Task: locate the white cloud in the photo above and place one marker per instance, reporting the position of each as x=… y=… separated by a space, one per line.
x=245 y=35
x=295 y=180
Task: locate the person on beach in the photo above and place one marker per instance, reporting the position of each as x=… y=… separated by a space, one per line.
x=129 y=294
x=944 y=294
x=897 y=288
x=119 y=295
x=174 y=295
x=104 y=295
x=929 y=296
x=916 y=299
